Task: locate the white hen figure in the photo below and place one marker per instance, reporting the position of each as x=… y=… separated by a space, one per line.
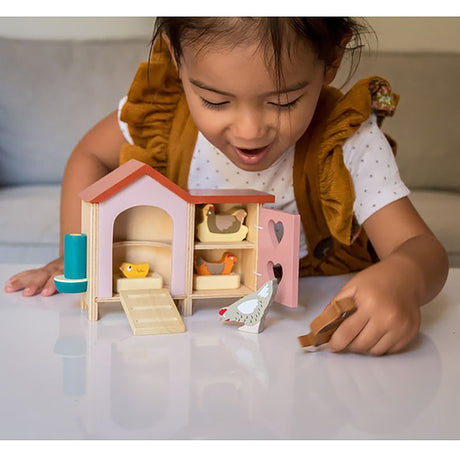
x=251 y=309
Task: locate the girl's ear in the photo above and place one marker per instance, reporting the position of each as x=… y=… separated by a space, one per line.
x=331 y=70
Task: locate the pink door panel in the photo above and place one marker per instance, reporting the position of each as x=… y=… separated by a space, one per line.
x=279 y=235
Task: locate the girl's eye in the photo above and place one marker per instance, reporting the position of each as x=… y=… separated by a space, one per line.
x=288 y=105
x=213 y=105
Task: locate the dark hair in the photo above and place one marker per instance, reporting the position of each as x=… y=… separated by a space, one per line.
x=326 y=35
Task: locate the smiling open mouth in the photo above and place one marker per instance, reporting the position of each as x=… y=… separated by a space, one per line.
x=252 y=157
x=252 y=151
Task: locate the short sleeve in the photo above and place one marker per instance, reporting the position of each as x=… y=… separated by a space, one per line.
x=122 y=124
x=369 y=158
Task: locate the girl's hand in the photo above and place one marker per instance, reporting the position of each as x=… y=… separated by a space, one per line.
x=387 y=316
x=37 y=281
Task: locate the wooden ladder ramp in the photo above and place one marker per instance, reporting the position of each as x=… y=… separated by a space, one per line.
x=151 y=311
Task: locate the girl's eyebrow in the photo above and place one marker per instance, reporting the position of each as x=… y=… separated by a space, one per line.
x=289 y=89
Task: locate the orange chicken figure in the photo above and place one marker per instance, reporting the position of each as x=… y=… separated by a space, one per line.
x=222 y=267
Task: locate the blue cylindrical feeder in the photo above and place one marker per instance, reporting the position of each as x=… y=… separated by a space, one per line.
x=75 y=256
x=74 y=279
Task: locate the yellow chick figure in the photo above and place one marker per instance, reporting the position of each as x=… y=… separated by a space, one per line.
x=134 y=270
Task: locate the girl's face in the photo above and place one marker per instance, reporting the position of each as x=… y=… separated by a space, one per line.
x=234 y=102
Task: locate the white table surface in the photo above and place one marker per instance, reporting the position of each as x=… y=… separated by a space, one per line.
x=63 y=377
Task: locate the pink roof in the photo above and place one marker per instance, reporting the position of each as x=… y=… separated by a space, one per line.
x=132 y=170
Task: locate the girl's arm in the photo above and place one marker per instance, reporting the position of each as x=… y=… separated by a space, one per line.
x=95 y=155
x=412 y=270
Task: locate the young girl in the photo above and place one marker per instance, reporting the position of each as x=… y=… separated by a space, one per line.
x=245 y=103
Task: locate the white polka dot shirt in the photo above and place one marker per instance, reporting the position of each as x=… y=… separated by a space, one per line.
x=367 y=155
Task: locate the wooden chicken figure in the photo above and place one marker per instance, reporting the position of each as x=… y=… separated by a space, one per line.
x=222 y=267
x=221 y=227
x=252 y=308
x=134 y=270
x=325 y=324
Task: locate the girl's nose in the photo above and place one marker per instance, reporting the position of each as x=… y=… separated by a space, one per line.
x=250 y=126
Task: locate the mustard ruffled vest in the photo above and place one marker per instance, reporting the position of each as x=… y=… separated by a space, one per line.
x=164 y=136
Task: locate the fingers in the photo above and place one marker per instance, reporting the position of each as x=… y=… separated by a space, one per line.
x=368 y=338
x=389 y=344
x=39 y=280
x=361 y=334
x=398 y=335
x=361 y=337
x=18 y=281
x=32 y=282
x=383 y=346
x=10 y=285
x=402 y=343
x=49 y=288
x=347 y=332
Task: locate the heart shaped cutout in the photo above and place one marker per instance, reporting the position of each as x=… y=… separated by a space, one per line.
x=277 y=271
x=277 y=231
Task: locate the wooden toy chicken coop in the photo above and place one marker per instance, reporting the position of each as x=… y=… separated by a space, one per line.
x=136 y=214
